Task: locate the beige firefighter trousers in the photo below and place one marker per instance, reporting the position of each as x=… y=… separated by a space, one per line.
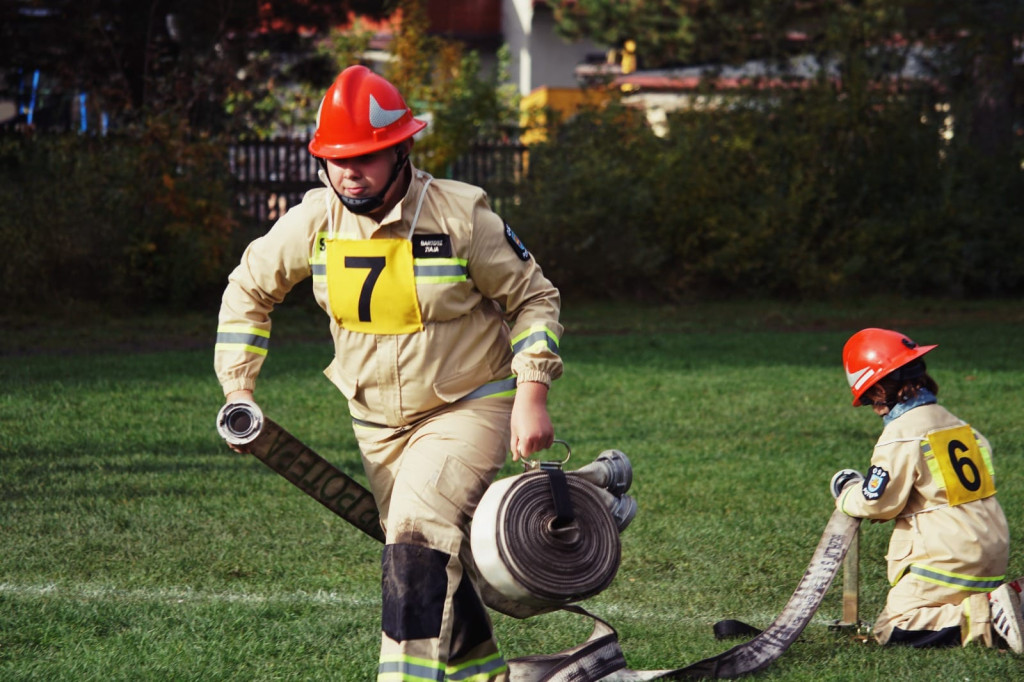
x=914 y=605
x=427 y=480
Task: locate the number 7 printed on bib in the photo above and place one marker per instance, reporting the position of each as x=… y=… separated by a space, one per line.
x=372 y=287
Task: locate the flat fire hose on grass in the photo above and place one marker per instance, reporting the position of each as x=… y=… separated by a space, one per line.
x=500 y=530
x=602 y=655
x=574 y=522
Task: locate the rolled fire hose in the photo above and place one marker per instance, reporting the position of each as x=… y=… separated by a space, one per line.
x=547 y=538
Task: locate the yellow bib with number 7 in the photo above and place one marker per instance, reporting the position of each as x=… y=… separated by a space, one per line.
x=371 y=285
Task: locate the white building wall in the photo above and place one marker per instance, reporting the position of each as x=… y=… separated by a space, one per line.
x=539 y=55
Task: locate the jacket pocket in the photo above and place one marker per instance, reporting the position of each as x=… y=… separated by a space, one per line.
x=346 y=384
x=899 y=549
x=460 y=485
x=897 y=558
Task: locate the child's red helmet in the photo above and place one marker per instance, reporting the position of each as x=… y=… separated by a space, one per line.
x=872 y=354
x=361 y=113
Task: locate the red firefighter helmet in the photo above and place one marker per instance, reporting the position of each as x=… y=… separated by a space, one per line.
x=872 y=354
x=361 y=113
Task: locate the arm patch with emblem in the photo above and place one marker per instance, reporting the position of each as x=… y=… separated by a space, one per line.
x=874 y=484
x=516 y=244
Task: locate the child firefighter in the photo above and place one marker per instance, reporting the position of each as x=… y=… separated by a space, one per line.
x=932 y=475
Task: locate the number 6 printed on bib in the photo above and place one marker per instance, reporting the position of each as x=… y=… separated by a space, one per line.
x=962 y=464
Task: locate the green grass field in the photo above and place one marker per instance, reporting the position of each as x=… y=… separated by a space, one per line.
x=135 y=546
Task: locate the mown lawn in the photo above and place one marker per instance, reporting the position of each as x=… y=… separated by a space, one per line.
x=135 y=545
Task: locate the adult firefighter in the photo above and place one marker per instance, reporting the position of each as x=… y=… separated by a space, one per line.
x=446 y=341
x=932 y=474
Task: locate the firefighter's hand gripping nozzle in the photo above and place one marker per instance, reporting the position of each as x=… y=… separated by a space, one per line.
x=239 y=423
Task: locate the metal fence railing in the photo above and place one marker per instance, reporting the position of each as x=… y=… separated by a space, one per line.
x=496 y=165
x=272 y=176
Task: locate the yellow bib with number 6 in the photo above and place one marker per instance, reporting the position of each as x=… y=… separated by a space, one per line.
x=961 y=464
x=372 y=287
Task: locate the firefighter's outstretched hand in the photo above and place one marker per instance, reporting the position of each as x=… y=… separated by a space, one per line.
x=531 y=425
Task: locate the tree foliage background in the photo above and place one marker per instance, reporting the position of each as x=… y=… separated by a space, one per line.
x=871 y=175
x=137 y=209
x=180 y=58
x=967 y=50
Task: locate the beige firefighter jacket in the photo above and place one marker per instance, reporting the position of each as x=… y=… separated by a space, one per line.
x=487 y=310
x=964 y=547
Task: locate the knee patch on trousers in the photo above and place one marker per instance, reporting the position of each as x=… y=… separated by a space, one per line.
x=414 y=590
x=926 y=639
x=414 y=586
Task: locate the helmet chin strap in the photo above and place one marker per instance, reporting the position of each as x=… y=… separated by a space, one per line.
x=365 y=205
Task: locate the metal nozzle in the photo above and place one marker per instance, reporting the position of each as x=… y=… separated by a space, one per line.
x=622 y=508
x=239 y=423
x=624 y=511
x=611 y=470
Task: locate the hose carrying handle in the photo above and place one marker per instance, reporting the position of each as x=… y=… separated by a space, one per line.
x=534 y=464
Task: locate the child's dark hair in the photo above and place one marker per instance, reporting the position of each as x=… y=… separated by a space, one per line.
x=900 y=385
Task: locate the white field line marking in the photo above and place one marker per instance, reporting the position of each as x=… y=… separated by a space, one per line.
x=760 y=619
x=606 y=610
x=181 y=595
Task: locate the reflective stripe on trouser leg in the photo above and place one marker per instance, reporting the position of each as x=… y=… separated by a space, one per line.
x=428 y=480
x=977 y=625
x=916 y=611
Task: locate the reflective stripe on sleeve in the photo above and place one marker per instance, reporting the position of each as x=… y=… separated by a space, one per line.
x=249 y=339
x=535 y=338
x=957 y=581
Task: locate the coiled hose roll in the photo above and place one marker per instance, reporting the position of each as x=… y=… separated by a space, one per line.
x=527 y=550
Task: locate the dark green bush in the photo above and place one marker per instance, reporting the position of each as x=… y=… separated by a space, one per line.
x=130 y=223
x=803 y=195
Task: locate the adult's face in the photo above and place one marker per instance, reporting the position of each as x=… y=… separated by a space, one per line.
x=361 y=177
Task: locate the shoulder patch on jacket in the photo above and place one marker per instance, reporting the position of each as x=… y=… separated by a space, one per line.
x=516 y=244
x=874 y=484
